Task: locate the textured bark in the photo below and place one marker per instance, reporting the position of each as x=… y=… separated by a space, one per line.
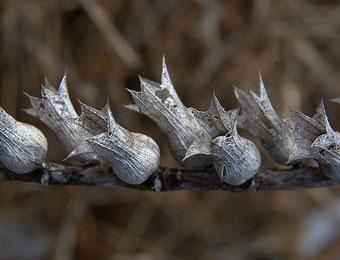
x=172 y=179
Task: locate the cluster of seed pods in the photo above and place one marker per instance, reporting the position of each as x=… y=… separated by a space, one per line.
x=133 y=156
x=197 y=139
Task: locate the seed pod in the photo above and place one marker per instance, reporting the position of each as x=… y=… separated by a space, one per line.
x=326 y=149
x=288 y=140
x=214 y=122
x=23 y=147
x=55 y=110
x=235 y=158
x=134 y=157
x=304 y=130
x=191 y=133
x=161 y=103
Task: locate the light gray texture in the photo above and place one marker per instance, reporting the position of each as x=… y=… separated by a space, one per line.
x=56 y=111
x=198 y=138
x=134 y=157
x=23 y=147
x=287 y=140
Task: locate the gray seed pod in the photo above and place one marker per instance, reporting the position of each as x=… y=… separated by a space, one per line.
x=326 y=149
x=133 y=156
x=55 y=110
x=191 y=133
x=304 y=130
x=161 y=103
x=214 y=122
x=287 y=140
x=23 y=147
x=235 y=158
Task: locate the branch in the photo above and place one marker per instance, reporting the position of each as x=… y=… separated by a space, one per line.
x=166 y=179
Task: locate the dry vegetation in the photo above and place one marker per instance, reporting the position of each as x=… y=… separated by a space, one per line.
x=210 y=46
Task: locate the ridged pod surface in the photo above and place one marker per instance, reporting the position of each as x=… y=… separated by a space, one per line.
x=23 y=147
x=326 y=149
x=236 y=159
x=161 y=103
x=191 y=133
x=56 y=111
x=287 y=140
x=132 y=156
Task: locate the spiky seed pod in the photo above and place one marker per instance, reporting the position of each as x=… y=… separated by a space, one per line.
x=326 y=149
x=235 y=158
x=161 y=103
x=304 y=130
x=191 y=133
x=23 y=147
x=134 y=157
x=288 y=140
x=214 y=122
x=55 y=110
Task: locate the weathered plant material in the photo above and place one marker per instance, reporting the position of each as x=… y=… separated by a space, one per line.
x=326 y=149
x=287 y=140
x=196 y=138
x=23 y=147
x=167 y=179
x=161 y=103
x=134 y=157
x=192 y=134
x=235 y=158
x=56 y=111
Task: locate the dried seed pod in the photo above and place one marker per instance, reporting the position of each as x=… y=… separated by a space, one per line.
x=326 y=149
x=304 y=130
x=288 y=140
x=161 y=103
x=235 y=158
x=214 y=122
x=191 y=133
x=55 y=110
x=23 y=147
x=133 y=156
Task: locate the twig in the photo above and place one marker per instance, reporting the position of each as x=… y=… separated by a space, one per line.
x=172 y=179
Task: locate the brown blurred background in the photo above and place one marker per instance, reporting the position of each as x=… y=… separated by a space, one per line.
x=210 y=46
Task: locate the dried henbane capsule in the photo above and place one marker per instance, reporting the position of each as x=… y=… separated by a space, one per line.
x=287 y=140
x=23 y=147
x=198 y=138
x=133 y=156
x=55 y=110
x=326 y=149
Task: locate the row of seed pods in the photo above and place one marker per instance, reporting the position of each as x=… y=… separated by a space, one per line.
x=196 y=139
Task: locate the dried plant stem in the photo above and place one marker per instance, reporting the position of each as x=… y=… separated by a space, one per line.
x=172 y=179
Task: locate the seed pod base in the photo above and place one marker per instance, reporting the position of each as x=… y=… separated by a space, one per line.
x=134 y=157
x=235 y=158
x=23 y=147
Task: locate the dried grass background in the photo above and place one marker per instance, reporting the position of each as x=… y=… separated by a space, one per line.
x=209 y=46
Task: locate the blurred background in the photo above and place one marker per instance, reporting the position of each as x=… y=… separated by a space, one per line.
x=210 y=46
